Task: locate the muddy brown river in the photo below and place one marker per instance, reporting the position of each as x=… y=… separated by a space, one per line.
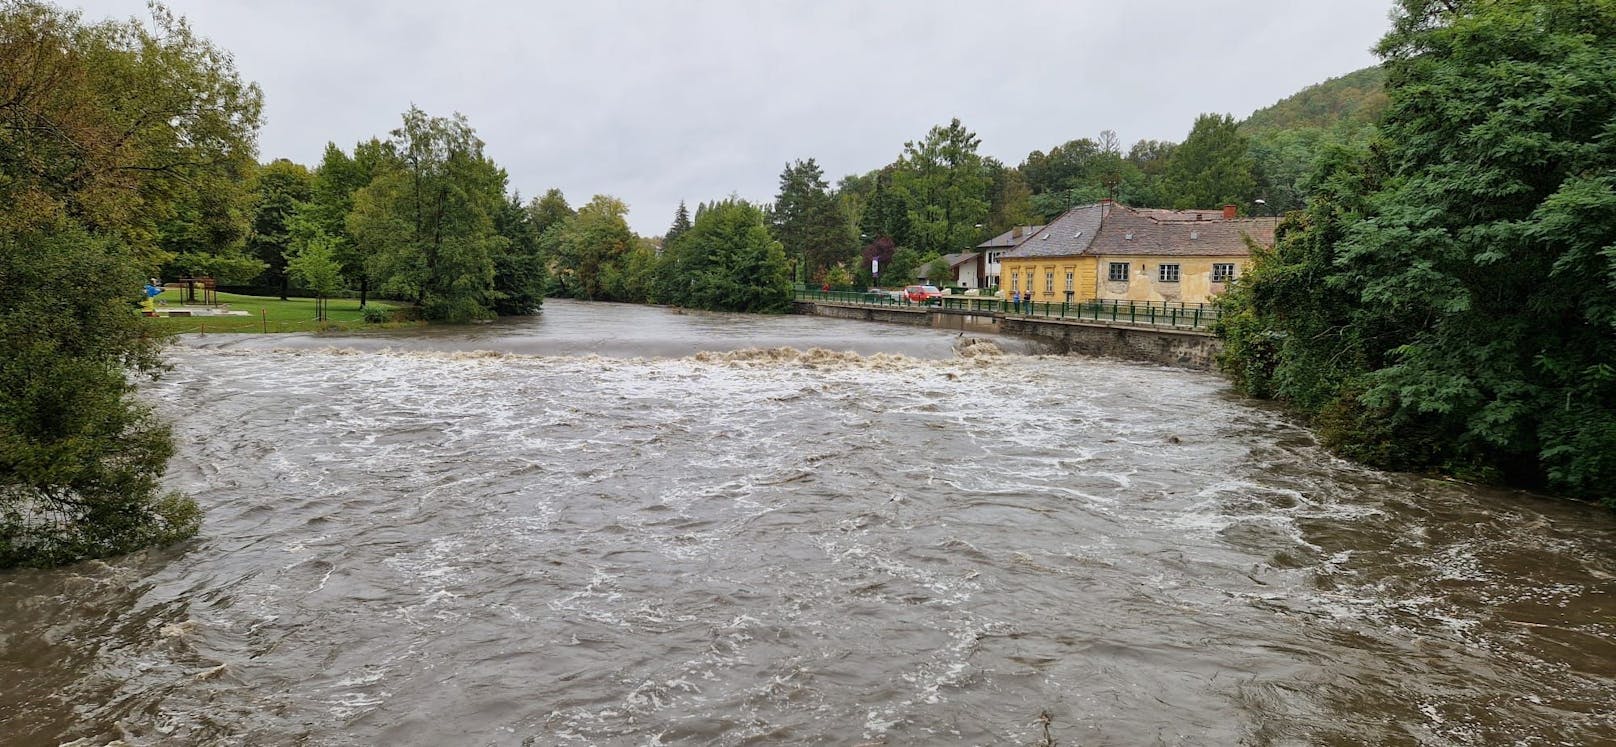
x=628 y=526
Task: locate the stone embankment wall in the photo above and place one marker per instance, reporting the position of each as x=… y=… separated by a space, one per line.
x=1180 y=348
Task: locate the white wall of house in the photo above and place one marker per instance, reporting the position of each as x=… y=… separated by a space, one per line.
x=965 y=272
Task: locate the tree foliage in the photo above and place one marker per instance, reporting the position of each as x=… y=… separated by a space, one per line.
x=1211 y=168
x=945 y=183
x=1464 y=280
x=111 y=137
x=426 y=220
x=728 y=261
x=282 y=186
x=808 y=220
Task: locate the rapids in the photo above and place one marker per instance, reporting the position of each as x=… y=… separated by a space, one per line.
x=623 y=525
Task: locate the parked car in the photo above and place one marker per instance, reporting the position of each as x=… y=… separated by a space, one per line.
x=923 y=294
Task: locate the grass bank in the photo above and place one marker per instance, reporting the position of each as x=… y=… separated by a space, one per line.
x=269 y=314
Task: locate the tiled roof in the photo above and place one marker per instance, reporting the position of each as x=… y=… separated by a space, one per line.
x=1009 y=238
x=1132 y=232
x=1066 y=236
x=955 y=260
x=1115 y=229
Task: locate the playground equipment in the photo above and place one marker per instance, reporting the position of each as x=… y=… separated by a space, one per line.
x=148 y=301
x=208 y=287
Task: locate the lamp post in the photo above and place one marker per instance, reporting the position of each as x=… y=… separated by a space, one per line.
x=1264 y=203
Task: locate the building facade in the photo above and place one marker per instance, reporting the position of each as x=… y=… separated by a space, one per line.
x=1111 y=251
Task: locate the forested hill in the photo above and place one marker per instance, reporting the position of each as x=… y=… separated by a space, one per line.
x=1357 y=97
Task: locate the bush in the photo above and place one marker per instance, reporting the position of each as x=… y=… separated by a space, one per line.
x=379 y=315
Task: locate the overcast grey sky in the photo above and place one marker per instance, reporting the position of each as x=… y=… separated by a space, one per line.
x=655 y=102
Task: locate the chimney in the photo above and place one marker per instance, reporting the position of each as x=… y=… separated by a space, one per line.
x=1230 y=211
x=1015 y=233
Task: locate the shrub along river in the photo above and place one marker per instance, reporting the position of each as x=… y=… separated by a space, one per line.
x=627 y=525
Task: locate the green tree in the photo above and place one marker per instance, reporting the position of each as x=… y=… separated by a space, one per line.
x=727 y=262
x=681 y=224
x=550 y=210
x=1469 y=253
x=1212 y=167
x=520 y=276
x=282 y=186
x=886 y=214
x=425 y=222
x=105 y=131
x=589 y=247
x=332 y=189
x=808 y=220
x=312 y=261
x=946 y=184
x=1010 y=202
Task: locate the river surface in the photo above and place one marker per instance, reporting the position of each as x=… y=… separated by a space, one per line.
x=629 y=526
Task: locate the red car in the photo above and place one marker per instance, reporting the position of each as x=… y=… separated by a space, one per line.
x=923 y=294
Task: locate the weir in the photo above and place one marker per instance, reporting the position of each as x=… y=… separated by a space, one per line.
x=1180 y=347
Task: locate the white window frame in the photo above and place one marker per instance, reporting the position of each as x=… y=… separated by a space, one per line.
x=1049 y=282
x=1163 y=271
x=1111 y=272
x=1223 y=277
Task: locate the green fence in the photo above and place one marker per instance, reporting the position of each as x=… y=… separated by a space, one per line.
x=1151 y=313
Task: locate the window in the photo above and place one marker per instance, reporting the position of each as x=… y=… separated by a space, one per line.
x=1222 y=272
x=1029 y=282
x=1168 y=273
x=1119 y=272
x=1049 y=283
x=1015 y=283
x=1069 y=287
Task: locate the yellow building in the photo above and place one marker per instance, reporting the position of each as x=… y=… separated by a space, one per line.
x=1111 y=251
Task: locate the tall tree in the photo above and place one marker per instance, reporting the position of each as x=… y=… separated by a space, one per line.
x=104 y=130
x=1212 y=167
x=681 y=224
x=331 y=198
x=945 y=183
x=281 y=187
x=807 y=219
x=520 y=276
x=426 y=221
x=886 y=214
x=1010 y=202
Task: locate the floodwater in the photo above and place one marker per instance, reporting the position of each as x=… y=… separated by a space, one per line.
x=628 y=526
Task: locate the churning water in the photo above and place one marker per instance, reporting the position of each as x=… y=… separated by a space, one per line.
x=652 y=528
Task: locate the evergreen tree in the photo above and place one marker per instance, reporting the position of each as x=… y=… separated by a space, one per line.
x=520 y=277
x=886 y=214
x=681 y=224
x=1212 y=167
x=808 y=220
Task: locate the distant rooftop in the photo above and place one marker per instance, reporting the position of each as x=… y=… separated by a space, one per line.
x=1110 y=228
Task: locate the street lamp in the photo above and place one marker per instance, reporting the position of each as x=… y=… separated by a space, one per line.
x=1264 y=203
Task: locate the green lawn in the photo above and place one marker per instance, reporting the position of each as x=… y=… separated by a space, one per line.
x=269 y=314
